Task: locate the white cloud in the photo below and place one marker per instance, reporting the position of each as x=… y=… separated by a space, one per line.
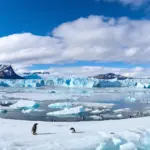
x=95 y=38
x=129 y=2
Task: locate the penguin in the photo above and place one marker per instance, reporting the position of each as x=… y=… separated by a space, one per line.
x=34 y=128
x=73 y=130
x=112 y=133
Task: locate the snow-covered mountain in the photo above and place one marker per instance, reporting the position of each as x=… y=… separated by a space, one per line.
x=7 y=72
x=110 y=76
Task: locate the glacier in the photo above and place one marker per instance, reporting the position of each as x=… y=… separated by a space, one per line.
x=74 y=82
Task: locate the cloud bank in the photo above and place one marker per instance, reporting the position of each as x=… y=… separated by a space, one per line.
x=136 y=3
x=95 y=38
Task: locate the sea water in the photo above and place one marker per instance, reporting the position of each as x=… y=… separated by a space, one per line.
x=127 y=102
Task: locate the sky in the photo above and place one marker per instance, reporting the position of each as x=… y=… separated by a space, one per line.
x=76 y=37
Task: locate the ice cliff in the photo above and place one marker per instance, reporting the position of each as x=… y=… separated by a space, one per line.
x=75 y=82
x=8 y=78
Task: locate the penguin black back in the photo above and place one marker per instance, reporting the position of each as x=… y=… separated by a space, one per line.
x=34 y=128
x=73 y=130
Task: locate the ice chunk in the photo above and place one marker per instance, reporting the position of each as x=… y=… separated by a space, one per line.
x=68 y=111
x=97 y=111
x=122 y=110
x=107 y=144
x=3 y=111
x=117 y=140
x=6 y=103
x=24 y=104
x=95 y=105
x=25 y=111
x=60 y=105
x=96 y=117
x=130 y=99
x=120 y=116
x=128 y=146
x=140 y=85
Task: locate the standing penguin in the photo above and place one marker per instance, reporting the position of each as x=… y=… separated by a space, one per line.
x=34 y=128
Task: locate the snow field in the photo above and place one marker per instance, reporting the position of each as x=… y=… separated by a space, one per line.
x=128 y=134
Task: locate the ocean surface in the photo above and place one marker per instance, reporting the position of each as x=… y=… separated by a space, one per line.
x=127 y=102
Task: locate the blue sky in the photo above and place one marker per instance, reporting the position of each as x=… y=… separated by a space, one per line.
x=41 y=16
x=43 y=34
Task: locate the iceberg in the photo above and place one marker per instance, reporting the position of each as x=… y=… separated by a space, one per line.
x=25 y=105
x=68 y=111
x=97 y=111
x=60 y=105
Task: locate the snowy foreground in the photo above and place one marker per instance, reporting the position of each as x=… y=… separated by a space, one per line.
x=130 y=134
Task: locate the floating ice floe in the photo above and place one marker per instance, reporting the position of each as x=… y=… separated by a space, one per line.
x=3 y=111
x=122 y=110
x=95 y=105
x=97 y=111
x=130 y=99
x=60 y=105
x=68 y=111
x=6 y=103
x=26 y=111
x=140 y=85
x=96 y=117
x=120 y=116
x=128 y=146
x=24 y=104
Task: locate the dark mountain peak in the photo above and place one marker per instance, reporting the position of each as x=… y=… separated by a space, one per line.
x=7 y=72
x=110 y=76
